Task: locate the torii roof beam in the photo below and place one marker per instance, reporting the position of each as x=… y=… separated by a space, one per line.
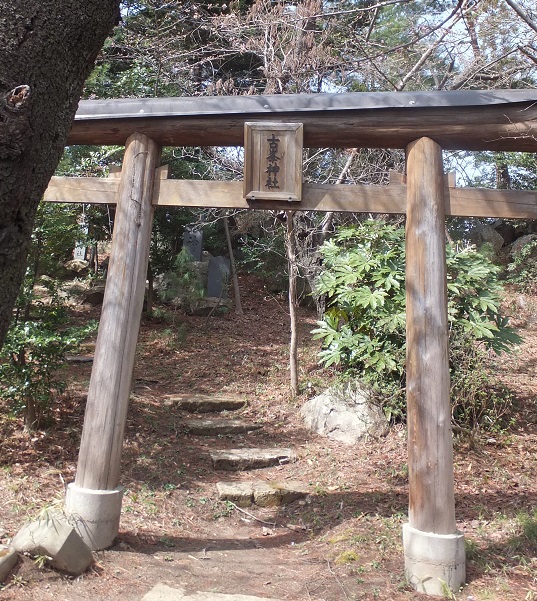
x=456 y=120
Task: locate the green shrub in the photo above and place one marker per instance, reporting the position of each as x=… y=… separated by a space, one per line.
x=184 y=282
x=477 y=404
x=522 y=271
x=363 y=329
x=34 y=353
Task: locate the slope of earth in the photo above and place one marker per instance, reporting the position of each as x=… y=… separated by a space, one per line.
x=343 y=541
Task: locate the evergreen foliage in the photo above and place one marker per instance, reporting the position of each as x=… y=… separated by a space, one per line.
x=38 y=339
x=363 y=329
x=184 y=282
x=522 y=270
x=34 y=352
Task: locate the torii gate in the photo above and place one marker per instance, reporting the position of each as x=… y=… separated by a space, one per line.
x=422 y=123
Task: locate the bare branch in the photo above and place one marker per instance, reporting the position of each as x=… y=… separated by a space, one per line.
x=522 y=14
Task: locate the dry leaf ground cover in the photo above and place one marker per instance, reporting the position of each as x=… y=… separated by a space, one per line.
x=342 y=542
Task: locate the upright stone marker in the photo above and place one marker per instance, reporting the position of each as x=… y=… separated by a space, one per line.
x=193 y=242
x=218 y=277
x=79 y=253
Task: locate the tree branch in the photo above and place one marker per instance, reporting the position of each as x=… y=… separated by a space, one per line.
x=522 y=14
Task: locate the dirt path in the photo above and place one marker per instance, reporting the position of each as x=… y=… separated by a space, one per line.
x=341 y=542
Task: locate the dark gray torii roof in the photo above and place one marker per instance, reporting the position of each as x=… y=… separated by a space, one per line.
x=466 y=120
x=295 y=103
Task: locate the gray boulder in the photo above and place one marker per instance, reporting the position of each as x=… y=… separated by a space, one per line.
x=485 y=233
x=52 y=536
x=345 y=413
x=520 y=243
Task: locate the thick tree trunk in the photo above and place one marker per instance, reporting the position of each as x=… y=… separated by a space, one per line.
x=48 y=50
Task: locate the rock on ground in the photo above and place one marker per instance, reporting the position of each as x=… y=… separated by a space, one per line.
x=55 y=538
x=262 y=493
x=205 y=403
x=345 y=414
x=251 y=459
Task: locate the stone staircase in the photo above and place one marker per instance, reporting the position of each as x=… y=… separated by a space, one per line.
x=258 y=492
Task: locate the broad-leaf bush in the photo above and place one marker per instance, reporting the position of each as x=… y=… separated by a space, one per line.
x=363 y=328
x=33 y=354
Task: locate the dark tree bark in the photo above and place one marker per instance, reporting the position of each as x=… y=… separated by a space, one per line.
x=48 y=50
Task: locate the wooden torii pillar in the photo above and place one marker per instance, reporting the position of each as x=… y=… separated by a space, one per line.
x=93 y=501
x=434 y=550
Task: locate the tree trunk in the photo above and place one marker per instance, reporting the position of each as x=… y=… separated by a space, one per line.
x=48 y=50
x=30 y=414
x=290 y=245
x=236 y=289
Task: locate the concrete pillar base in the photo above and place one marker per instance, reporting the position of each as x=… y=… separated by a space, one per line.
x=94 y=514
x=435 y=564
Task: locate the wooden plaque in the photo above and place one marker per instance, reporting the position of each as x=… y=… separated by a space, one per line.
x=273 y=161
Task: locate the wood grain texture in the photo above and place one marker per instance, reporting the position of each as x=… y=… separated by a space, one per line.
x=461 y=202
x=315 y=197
x=288 y=161
x=87 y=190
x=430 y=446
x=111 y=377
x=493 y=127
x=482 y=202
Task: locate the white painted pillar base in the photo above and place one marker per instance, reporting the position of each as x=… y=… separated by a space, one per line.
x=94 y=514
x=435 y=564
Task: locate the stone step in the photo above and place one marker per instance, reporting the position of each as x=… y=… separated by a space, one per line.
x=204 y=403
x=210 y=427
x=262 y=493
x=251 y=459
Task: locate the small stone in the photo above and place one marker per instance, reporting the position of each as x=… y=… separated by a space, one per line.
x=77 y=266
x=94 y=296
x=79 y=358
